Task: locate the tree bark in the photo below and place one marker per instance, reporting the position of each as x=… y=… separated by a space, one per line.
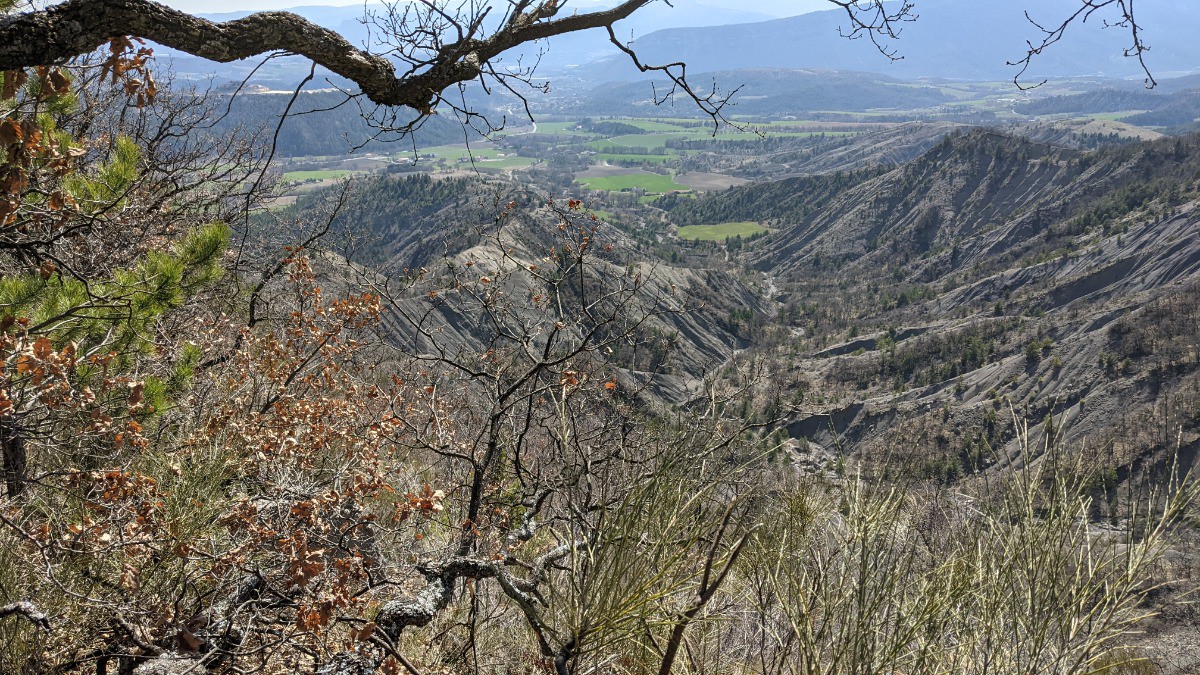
x=28 y=610
x=76 y=27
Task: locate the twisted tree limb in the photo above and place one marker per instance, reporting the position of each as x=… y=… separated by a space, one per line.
x=75 y=27
x=29 y=611
x=441 y=579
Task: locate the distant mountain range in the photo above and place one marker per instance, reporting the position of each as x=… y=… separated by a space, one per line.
x=800 y=64
x=958 y=39
x=766 y=91
x=557 y=54
x=953 y=39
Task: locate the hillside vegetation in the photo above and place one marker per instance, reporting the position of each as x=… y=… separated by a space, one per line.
x=873 y=395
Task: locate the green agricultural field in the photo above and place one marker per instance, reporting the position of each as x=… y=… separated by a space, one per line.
x=617 y=157
x=298 y=176
x=452 y=153
x=779 y=123
x=651 y=125
x=502 y=163
x=658 y=140
x=650 y=182
x=975 y=103
x=719 y=232
x=680 y=121
x=560 y=129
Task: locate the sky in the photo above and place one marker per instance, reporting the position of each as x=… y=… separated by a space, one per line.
x=771 y=7
x=213 y=6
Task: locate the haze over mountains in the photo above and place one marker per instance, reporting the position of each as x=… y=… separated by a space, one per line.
x=562 y=52
x=957 y=39
x=953 y=39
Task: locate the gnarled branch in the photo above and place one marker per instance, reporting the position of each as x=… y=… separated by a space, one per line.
x=28 y=610
x=75 y=27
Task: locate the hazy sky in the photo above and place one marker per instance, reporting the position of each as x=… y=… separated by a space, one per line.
x=771 y=7
x=206 y=6
x=212 y=6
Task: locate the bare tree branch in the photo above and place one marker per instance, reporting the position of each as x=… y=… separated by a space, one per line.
x=1051 y=34
x=877 y=21
x=76 y=27
x=27 y=610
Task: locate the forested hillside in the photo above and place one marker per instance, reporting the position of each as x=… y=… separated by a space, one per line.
x=827 y=381
x=992 y=271
x=327 y=123
x=772 y=91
